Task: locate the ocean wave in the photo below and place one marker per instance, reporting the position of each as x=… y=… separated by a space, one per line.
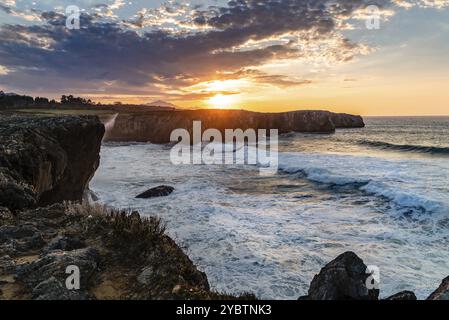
x=378 y=178
x=405 y=147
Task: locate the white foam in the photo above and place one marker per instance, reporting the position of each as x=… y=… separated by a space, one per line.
x=407 y=183
x=271 y=235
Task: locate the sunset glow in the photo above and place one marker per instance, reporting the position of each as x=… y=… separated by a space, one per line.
x=220 y=54
x=221 y=101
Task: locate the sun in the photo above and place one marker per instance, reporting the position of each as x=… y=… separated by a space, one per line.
x=221 y=101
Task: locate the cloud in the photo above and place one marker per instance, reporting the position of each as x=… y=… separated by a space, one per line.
x=176 y=45
x=9 y=7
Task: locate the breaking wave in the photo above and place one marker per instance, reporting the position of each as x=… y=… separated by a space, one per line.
x=405 y=147
x=390 y=180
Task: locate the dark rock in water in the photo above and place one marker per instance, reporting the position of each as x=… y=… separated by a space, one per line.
x=342 y=279
x=403 y=295
x=442 y=293
x=45 y=160
x=160 y=191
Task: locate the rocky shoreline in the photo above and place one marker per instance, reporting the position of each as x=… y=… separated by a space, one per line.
x=45 y=167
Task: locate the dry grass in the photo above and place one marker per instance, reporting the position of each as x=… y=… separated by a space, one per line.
x=125 y=228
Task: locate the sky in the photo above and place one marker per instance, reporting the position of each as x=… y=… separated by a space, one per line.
x=384 y=57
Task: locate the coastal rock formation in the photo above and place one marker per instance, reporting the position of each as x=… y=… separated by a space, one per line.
x=45 y=160
x=403 y=295
x=442 y=293
x=156 y=127
x=344 y=120
x=344 y=278
x=160 y=191
x=119 y=254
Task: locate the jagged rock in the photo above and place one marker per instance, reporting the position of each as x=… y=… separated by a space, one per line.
x=160 y=191
x=56 y=263
x=403 y=295
x=343 y=120
x=20 y=238
x=53 y=289
x=65 y=243
x=6 y=263
x=50 y=160
x=45 y=160
x=342 y=279
x=5 y=215
x=14 y=195
x=442 y=293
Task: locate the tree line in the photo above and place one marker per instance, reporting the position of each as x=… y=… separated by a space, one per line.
x=9 y=100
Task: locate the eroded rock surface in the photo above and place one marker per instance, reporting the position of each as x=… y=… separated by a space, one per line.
x=344 y=278
x=45 y=160
x=112 y=249
x=156 y=127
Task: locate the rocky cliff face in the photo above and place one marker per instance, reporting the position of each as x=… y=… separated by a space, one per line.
x=344 y=120
x=120 y=255
x=156 y=127
x=47 y=160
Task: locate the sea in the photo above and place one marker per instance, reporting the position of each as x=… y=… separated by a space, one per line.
x=381 y=191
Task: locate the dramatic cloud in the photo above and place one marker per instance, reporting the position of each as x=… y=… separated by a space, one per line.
x=176 y=46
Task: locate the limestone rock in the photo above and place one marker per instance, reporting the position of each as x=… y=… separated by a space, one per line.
x=344 y=278
x=160 y=191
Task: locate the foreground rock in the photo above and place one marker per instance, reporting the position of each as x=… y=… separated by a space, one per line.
x=342 y=279
x=160 y=191
x=403 y=295
x=156 y=127
x=119 y=254
x=442 y=293
x=45 y=160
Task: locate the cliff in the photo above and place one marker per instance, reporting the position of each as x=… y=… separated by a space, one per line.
x=120 y=255
x=156 y=127
x=48 y=159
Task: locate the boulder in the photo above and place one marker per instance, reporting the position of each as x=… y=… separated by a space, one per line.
x=160 y=191
x=442 y=293
x=403 y=295
x=342 y=279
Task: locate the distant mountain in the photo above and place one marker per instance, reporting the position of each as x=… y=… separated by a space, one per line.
x=8 y=94
x=161 y=104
